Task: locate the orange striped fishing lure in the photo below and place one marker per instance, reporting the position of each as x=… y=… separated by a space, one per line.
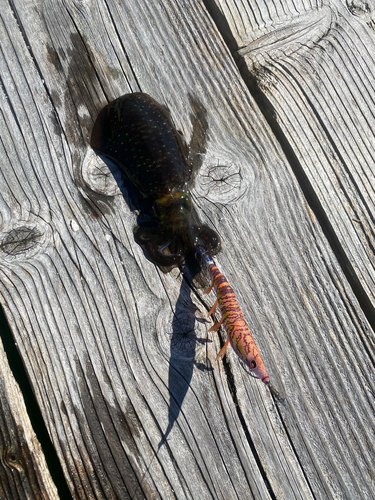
x=238 y=332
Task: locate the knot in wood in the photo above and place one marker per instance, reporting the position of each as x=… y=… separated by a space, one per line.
x=19 y=241
x=362 y=8
x=13 y=459
x=102 y=178
x=287 y=37
x=221 y=183
x=23 y=241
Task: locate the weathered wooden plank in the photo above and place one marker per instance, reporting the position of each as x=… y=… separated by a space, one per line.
x=100 y=329
x=242 y=23
x=312 y=68
x=23 y=468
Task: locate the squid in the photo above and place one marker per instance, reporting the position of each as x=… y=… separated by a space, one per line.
x=138 y=135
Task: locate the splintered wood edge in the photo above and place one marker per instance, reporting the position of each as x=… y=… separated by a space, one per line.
x=22 y=453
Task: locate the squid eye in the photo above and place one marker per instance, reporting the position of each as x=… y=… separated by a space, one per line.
x=161 y=207
x=253 y=364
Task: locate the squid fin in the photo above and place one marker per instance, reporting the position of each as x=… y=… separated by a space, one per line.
x=222 y=350
x=216 y=326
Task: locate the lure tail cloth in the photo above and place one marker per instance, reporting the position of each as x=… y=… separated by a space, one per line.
x=239 y=335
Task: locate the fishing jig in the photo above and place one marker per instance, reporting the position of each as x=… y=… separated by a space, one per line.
x=238 y=332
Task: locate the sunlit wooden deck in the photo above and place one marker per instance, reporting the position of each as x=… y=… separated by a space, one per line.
x=277 y=104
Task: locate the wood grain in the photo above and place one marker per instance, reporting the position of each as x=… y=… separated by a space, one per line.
x=23 y=468
x=119 y=353
x=311 y=69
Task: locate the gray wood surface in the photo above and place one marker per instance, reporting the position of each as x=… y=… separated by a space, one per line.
x=23 y=469
x=118 y=353
x=312 y=70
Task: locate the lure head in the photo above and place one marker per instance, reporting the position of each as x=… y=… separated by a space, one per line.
x=250 y=355
x=257 y=367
